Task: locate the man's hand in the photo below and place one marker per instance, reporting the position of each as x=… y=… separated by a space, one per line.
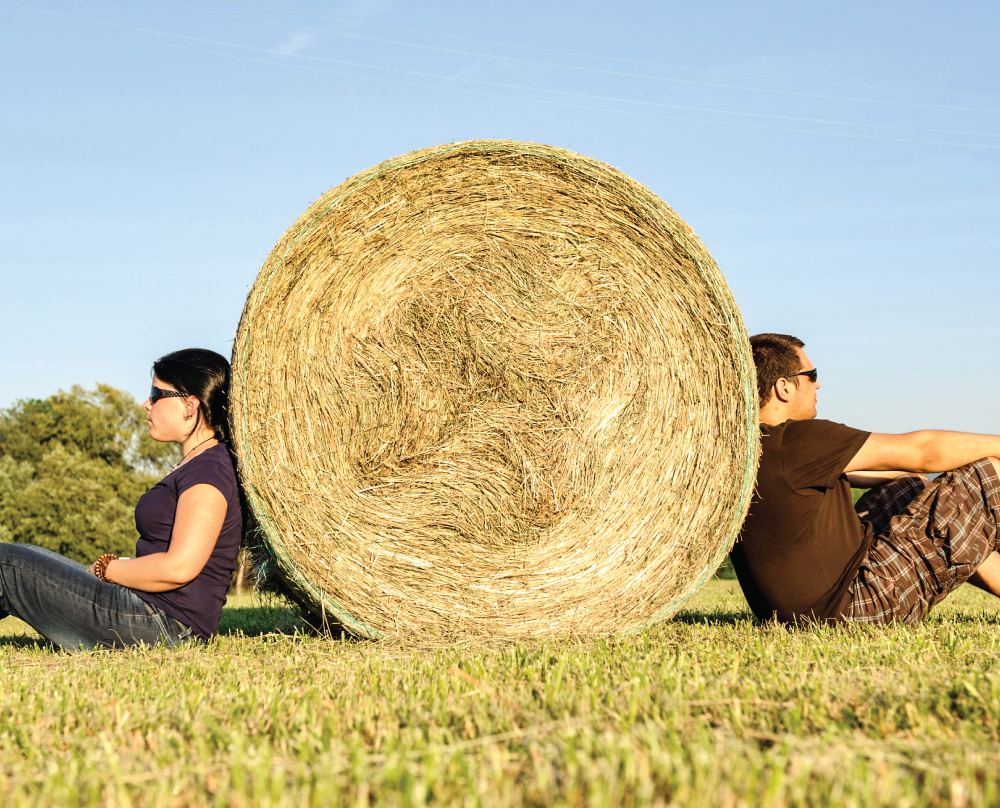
x=870 y=479
x=928 y=450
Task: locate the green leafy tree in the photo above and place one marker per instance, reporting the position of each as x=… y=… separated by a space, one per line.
x=72 y=467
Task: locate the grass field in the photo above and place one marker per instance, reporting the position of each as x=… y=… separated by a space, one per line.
x=706 y=709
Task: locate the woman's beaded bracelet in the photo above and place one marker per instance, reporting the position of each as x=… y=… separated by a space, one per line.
x=101 y=566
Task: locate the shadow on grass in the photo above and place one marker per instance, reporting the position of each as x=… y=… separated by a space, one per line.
x=256 y=621
x=253 y=621
x=712 y=618
x=16 y=641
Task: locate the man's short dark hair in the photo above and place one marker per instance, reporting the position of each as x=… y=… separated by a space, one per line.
x=775 y=357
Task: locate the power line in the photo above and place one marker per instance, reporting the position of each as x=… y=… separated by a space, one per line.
x=287 y=63
x=536 y=63
x=586 y=96
x=522 y=88
x=610 y=58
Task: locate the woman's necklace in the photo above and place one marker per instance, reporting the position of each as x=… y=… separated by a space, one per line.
x=185 y=457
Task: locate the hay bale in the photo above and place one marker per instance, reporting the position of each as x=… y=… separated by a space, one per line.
x=493 y=387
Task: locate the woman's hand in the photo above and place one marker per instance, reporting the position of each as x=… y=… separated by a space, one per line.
x=201 y=510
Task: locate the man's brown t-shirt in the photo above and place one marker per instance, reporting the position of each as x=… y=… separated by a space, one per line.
x=802 y=542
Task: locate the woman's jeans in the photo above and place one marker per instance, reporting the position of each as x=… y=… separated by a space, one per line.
x=75 y=610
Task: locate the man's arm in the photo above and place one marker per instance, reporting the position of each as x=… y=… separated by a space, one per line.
x=869 y=479
x=928 y=450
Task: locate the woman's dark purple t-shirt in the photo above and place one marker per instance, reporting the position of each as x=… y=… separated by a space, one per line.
x=198 y=603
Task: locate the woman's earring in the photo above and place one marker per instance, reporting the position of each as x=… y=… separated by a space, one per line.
x=188 y=417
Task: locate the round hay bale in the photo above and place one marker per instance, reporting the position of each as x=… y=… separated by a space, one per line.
x=493 y=387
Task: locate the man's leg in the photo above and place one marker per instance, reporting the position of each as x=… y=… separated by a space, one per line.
x=987 y=576
x=941 y=540
x=881 y=503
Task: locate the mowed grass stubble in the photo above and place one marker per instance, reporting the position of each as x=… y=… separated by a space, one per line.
x=705 y=709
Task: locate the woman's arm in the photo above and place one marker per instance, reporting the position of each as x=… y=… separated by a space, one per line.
x=201 y=510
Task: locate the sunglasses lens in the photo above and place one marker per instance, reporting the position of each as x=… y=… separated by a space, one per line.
x=154 y=395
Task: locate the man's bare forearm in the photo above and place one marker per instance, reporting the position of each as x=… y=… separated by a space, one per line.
x=869 y=479
x=944 y=451
x=928 y=450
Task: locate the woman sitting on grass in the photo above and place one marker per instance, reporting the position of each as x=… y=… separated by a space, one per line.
x=190 y=525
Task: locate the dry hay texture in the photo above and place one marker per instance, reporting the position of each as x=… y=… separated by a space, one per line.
x=494 y=388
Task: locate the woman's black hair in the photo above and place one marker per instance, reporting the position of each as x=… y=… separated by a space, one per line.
x=204 y=374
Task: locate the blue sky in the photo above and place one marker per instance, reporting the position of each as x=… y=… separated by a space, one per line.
x=841 y=162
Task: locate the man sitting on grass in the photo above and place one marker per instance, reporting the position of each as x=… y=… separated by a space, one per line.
x=805 y=553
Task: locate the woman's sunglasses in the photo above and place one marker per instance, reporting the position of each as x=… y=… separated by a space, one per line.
x=812 y=375
x=155 y=394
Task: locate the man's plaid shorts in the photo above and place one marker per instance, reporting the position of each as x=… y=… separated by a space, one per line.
x=928 y=541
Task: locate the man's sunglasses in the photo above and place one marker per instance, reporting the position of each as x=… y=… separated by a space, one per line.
x=812 y=375
x=155 y=394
